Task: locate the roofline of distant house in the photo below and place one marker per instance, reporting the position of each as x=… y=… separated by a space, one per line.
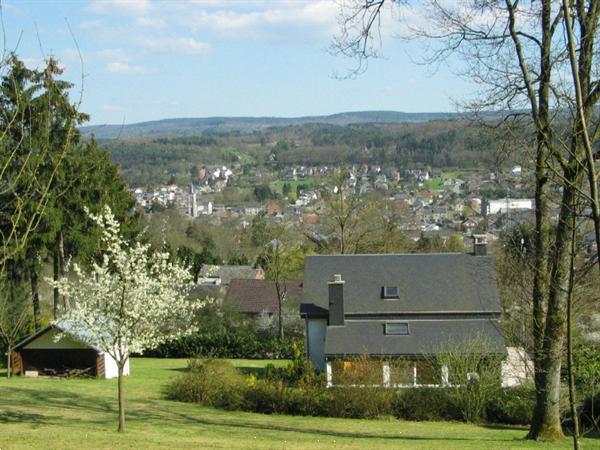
x=413 y=314
x=359 y=315
x=390 y=254
x=412 y=355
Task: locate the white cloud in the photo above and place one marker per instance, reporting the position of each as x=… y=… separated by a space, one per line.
x=113 y=54
x=184 y=45
x=151 y=22
x=311 y=16
x=123 y=68
x=91 y=24
x=127 y=7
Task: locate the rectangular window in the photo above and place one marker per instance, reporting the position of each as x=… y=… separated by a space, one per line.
x=390 y=292
x=396 y=328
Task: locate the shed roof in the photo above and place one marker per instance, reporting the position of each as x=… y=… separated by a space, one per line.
x=75 y=330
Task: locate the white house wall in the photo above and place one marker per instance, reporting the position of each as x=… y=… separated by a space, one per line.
x=517 y=368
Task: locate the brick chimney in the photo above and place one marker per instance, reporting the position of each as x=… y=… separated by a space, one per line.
x=336 y=301
x=479 y=244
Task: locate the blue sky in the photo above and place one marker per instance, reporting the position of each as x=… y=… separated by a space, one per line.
x=149 y=60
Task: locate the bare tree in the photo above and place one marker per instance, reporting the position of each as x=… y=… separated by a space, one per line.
x=281 y=259
x=518 y=56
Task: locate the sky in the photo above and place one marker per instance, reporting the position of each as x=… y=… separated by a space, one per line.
x=140 y=60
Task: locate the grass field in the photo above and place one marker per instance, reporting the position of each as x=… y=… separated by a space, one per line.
x=277 y=186
x=81 y=413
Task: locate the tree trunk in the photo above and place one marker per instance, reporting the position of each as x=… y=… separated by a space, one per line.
x=572 y=401
x=8 y=362
x=55 y=277
x=279 y=311
x=546 y=421
x=61 y=265
x=35 y=296
x=121 y=398
x=540 y=274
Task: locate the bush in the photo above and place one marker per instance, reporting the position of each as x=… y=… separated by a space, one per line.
x=300 y=372
x=587 y=369
x=361 y=402
x=227 y=344
x=590 y=412
x=512 y=406
x=291 y=391
x=209 y=382
x=425 y=404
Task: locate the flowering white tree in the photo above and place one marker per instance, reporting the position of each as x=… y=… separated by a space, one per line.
x=132 y=300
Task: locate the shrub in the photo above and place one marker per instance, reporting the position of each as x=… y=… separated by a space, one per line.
x=300 y=372
x=512 y=406
x=227 y=344
x=587 y=369
x=473 y=369
x=590 y=412
x=209 y=382
x=217 y=383
x=424 y=404
x=360 y=402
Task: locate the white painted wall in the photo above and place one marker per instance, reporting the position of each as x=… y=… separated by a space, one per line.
x=504 y=204
x=316 y=330
x=517 y=368
x=110 y=367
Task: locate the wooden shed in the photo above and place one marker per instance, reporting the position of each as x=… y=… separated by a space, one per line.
x=62 y=349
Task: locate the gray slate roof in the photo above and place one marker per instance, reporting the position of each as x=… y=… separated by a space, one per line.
x=445 y=282
x=256 y=296
x=360 y=337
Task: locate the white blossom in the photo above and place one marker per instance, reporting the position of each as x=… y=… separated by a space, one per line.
x=133 y=300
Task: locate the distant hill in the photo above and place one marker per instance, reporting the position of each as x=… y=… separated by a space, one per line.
x=197 y=126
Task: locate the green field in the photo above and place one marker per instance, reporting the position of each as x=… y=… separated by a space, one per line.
x=277 y=186
x=81 y=413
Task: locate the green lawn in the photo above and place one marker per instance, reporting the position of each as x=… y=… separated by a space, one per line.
x=81 y=413
x=277 y=186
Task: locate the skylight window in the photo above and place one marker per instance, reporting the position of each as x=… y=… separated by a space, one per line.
x=398 y=328
x=390 y=292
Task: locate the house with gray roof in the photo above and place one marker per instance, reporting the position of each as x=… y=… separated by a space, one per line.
x=214 y=275
x=407 y=306
x=254 y=297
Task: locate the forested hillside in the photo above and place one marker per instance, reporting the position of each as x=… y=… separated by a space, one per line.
x=196 y=126
x=441 y=143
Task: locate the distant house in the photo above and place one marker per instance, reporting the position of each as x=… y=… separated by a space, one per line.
x=252 y=208
x=62 y=348
x=213 y=275
x=253 y=297
x=402 y=307
x=468 y=225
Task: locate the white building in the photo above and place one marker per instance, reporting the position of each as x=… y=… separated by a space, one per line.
x=504 y=205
